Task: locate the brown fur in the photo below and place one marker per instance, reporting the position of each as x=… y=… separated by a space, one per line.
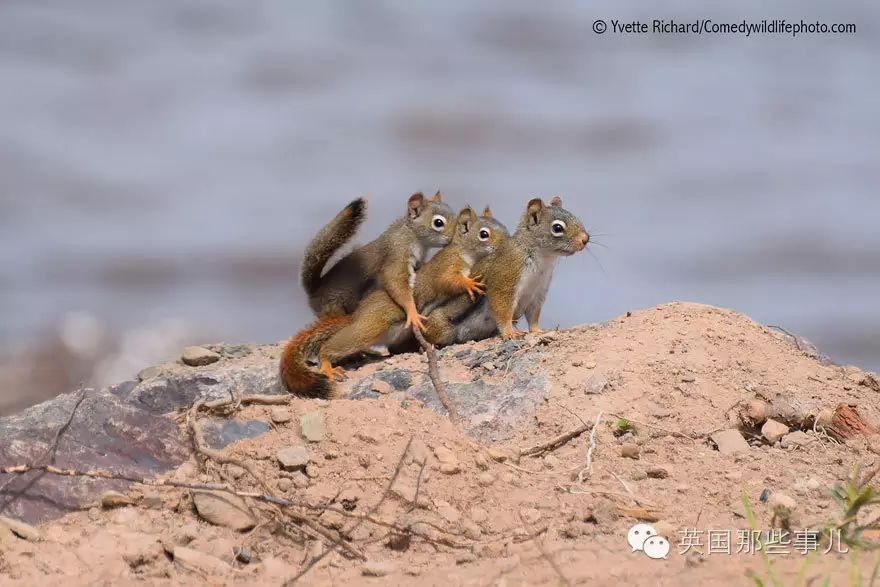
x=297 y=377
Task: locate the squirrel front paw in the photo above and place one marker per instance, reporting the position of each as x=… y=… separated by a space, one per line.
x=415 y=319
x=333 y=373
x=473 y=285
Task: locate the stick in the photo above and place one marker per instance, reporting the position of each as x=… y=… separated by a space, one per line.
x=588 y=467
x=672 y=432
x=553 y=443
x=434 y=374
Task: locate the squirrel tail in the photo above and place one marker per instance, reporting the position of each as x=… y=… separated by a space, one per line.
x=328 y=240
x=298 y=378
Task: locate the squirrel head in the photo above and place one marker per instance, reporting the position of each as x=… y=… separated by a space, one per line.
x=479 y=235
x=432 y=220
x=553 y=228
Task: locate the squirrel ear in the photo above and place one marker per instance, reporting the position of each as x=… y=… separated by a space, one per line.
x=533 y=210
x=437 y=197
x=556 y=201
x=487 y=213
x=415 y=204
x=465 y=218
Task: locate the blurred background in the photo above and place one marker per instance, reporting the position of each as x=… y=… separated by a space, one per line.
x=164 y=163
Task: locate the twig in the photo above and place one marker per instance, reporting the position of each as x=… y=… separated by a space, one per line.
x=48 y=456
x=553 y=443
x=260 y=399
x=588 y=467
x=667 y=431
x=434 y=374
x=784 y=331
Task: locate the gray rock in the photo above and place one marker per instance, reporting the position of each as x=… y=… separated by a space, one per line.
x=293 y=458
x=280 y=414
x=730 y=442
x=105 y=433
x=311 y=426
x=149 y=373
x=596 y=384
x=221 y=433
x=198 y=356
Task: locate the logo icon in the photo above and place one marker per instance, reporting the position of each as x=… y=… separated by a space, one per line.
x=644 y=537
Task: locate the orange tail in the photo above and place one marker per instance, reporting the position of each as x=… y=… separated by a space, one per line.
x=295 y=373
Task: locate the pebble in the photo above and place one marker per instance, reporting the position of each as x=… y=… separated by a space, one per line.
x=596 y=384
x=300 y=480
x=486 y=479
x=199 y=561
x=152 y=500
x=244 y=555
x=730 y=441
x=293 y=458
x=590 y=364
x=284 y=485
x=630 y=450
x=197 y=356
x=279 y=415
x=21 y=529
x=223 y=509
x=481 y=462
x=364 y=460
x=311 y=426
x=149 y=372
x=773 y=431
x=377 y=568
x=497 y=454
x=756 y=411
x=658 y=472
x=235 y=471
x=382 y=386
x=688 y=379
x=797 y=438
x=638 y=475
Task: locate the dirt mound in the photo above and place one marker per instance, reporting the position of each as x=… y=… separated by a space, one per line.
x=684 y=392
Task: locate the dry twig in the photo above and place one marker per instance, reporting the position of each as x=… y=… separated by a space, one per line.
x=553 y=443
x=434 y=374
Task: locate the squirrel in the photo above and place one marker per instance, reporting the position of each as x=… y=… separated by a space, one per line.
x=389 y=261
x=517 y=278
x=378 y=319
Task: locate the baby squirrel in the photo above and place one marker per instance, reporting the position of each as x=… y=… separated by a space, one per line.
x=517 y=278
x=379 y=319
x=389 y=261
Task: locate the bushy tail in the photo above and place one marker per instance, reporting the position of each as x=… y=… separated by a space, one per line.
x=298 y=378
x=328 y=240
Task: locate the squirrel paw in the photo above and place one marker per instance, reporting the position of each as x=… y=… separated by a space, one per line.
x=512 y=333
x=334 y=373
x=473 y=285
x=534 y=329
x=416 y=319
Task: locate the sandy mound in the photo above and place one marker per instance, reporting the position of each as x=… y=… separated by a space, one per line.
x=464 y=508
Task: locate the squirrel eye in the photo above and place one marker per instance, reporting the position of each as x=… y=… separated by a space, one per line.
x=557 y=228
x=484 y=234
x=438 y=222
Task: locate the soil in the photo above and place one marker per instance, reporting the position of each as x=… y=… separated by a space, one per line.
x=677 y=374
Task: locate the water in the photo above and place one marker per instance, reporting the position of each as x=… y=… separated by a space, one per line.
x=171 y=159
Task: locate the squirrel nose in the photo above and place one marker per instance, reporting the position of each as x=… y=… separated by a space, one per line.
x=584 y=239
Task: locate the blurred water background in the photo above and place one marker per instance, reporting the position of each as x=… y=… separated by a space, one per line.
x=163 y=163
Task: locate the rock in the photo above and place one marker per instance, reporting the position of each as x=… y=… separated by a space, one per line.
x=486 y=479
x=638 y=474
x=224 y=509
x=106 y=432
x=755 y=412
x=782 y=503
x=114 y=499
x=630 y=450
x=293 y=458
x=481 y=462
x=773 y=431
x=198 y=356
x=377 y=568
x=496 y=454
x=730 y=442
x=300 y=480
x=596 y=384
x=139 y=556
x=383 y=387
x=311 y=426
x=448 y=461
x=152 y=501
x=280 y=415
x=235 y=471
x=688 y=379
x=449 y=468
x=471 y=530
x=149 y=373
x=244 y=555
x=200 y=562
x=658 y=472
x=20 y=529
x=797 y=438
x=284 y=485
x=590 y=364
x=220 y=432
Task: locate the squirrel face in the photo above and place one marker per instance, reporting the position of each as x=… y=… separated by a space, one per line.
x=554 y=228
x=432 y=221
x=479 y=235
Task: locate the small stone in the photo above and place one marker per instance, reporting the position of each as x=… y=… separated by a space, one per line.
x=149 y=372
x=756 y=411
x=448 y=461
x=311 y=426
x=377 y=568
x=235 y=471
x=284 y=485
x=638 y=474
x=730 y=441
x=596 y=384
x=449 y=468
x=94 y=514
x=152 y=501
x=630 y=450
x=224 y=509
x=366 y=437
x=364 y=460
x=577 y=363
x=21 y=529
x=782 y=502
x=486 y=479
x=688 y=379
x=382 y=386
x=300 y=480
x=465 y=557
x=797 y=438
x=279 y=415
x=244 y=555
x=496 y=454
x=481 y=462
x=197 y=356
x=772 y=431
x=590 y=364
x=813 y=484
x=489 y=366
x=293 y=458
x=199 y=561
x=658 y=472
x=114 y=499
x=471 y=530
